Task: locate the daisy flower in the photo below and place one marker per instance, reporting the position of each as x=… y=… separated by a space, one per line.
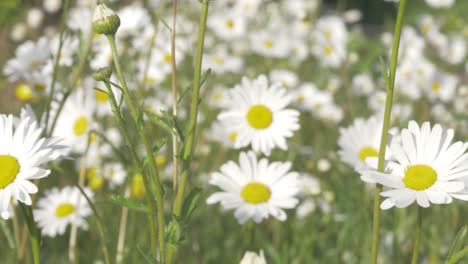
x=253 y=258
x=23 y=152
x=59 y=208
x=256 y=188
x=428 y=168
x=76 y=120
x=259 y=116
x=360 y=141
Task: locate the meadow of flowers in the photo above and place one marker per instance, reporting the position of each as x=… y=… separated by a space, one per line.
x=234 y=131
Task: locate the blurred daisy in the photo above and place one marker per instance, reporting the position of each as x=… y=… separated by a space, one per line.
x=255 y=188
x=60 y=208
x=22 y=153
x=427 y=169
x=76 y=120
x=360 y=141
x=253 y=258
x=270 y=44
x=259 y=116
x=228 y=24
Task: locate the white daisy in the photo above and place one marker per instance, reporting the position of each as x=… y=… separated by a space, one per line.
x=23 y=152
x=255 y=188
x=427 y=169
x=59 y=208
x=360 y=141
x=253 y=258
x=259 y=116
x=75 y=120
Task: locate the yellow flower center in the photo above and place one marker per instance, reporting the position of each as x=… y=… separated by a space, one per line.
x=137 y=188
x=34 y=64
x=259 y=117
x=9 y=170
x=230 y=23
x=367 y=152
x=419 y=177
x=233 y=137
x=268 y=43
x=256 y=192
x=64 y=210
x=39 y=87
x=23 y=92
x=328 y=33
x=328 y=50
x=101 y=97
x=218 y=60
x=96 y=182
x=161 y=160
x=80 y=126
x=167 y=58
x=435 y=86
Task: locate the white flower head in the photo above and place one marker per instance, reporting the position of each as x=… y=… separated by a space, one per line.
x=428 y=168
x=256 y=188
x=259 y=115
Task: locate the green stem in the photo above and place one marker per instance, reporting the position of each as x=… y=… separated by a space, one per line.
x=149 y=152
x=74 y=79
x=34 y=233
x=193 y=110
x=56 y=63
x=462 y=253
x=191 y=131
x=123 y=127
x=386 y=126
x=414 y=259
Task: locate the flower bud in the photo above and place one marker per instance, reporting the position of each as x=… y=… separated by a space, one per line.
x=105 y=20
x=102 y=74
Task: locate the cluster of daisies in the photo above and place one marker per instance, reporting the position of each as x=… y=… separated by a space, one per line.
x=23 y=160
x=422 y=163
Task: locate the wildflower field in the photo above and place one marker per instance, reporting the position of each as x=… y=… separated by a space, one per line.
x=234 y=131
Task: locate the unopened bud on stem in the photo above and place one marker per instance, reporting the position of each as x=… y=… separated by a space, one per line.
x=103 y=74
x=105 y=20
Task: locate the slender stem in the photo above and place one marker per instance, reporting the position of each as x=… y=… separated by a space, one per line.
x=74 y=80
x=414 y=260
x=149 y=151
x=462 y=253
x=123 y=127
x=34 y=233
x=16 y=231
x=74 y=228
x=56 y=63
x=193 y=110
x=189 y=144
x=175 y=146
x=386 y=126
x=122 y=231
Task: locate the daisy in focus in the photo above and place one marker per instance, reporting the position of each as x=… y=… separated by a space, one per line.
x=428 y=168
x=59 y=208
x=258 y=113
x=255 y=188
x=23 y=152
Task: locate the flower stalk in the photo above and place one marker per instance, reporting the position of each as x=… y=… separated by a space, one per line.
x=390 y=83
x=414 y=259
x=191 y=130
x=153 y=167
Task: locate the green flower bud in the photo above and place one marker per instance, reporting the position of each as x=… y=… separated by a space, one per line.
x=103 y=74
x=105 y=20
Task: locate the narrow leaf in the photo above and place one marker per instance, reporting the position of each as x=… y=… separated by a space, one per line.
x=129 y=203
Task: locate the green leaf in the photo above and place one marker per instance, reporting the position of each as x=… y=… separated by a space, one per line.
x=184 y=92
x=174 y=233
x=458 y=243
x=384 y=71
x=129 y=203
x=7 y=232
x=167 y=122
x=190 y=203
x=148 y=258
